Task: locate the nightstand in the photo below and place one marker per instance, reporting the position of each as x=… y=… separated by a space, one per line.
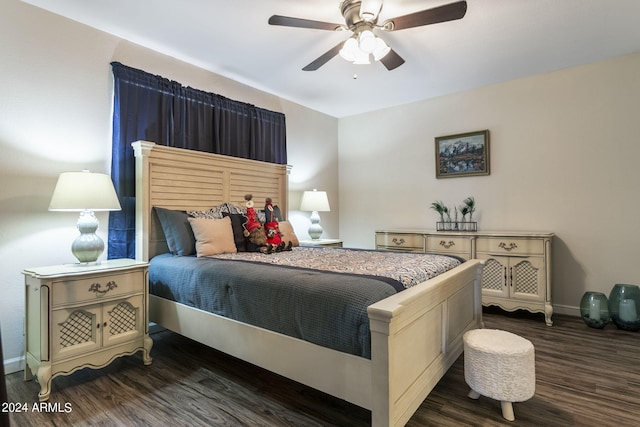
x=80 y=315
x=322 y=242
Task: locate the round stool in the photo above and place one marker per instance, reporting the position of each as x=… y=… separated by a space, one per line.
x=499 y=365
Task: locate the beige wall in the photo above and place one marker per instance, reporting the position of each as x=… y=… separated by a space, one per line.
x=55 y=116
x=564 y=158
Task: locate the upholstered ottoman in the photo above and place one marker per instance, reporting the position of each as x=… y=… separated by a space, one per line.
x=499 y=365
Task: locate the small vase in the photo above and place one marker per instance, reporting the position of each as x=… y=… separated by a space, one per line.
x=594 y=309
x=624 y=301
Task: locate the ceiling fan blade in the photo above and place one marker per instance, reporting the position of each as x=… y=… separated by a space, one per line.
x=323 y=59
x=444 y=13
x=392 y=60
x=287 y=21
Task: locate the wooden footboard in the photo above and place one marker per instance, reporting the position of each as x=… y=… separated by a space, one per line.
x=416 y=335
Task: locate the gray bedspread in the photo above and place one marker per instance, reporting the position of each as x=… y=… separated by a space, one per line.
x=325 y=308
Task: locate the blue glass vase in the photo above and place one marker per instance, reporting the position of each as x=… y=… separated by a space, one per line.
x=624 y=302
x=594 y=309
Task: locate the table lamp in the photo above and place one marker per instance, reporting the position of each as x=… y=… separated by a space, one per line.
x=315 y=201
x=85 y=192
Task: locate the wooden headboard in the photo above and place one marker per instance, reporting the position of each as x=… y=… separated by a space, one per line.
x=181 y=179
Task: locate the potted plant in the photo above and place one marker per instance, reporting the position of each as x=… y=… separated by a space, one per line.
x=447 y=223
x=469 y=208
x=470 y=204
x=439 y=207
x=464 y=211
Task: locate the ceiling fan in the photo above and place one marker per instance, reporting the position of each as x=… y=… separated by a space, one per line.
x=361 y=18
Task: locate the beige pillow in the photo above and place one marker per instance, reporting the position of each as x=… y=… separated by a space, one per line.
x=213 y=236
x=288 y=235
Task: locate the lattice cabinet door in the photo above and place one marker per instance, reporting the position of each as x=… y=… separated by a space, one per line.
x=522 y=278
x=527 y=278
x=495 y=276
x=122 y=320
x=75 y=331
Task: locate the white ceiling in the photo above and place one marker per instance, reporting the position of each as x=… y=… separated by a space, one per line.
x=497 y=40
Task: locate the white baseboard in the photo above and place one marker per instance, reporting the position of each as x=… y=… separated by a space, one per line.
x=13 y=365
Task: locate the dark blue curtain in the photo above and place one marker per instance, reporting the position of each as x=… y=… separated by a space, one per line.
x=159 y=110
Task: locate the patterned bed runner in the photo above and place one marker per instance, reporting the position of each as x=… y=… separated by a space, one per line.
x=409 y=269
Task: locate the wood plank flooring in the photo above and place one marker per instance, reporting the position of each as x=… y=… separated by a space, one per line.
x=584 y=377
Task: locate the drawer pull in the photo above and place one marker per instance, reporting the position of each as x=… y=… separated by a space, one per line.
x=447 y=245
x=96 y=288
x=508 y=247
x=398 y=241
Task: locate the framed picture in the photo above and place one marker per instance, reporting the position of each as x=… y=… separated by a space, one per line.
x=465 y=154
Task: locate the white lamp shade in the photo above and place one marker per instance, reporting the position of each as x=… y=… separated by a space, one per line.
x=315 y=201
x=78 y=191
x=367 y=41
x=362 y=58
x=349 y=50
x=381 y=49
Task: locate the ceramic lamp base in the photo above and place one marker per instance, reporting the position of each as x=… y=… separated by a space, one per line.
x=88 y=246
x=315 y=230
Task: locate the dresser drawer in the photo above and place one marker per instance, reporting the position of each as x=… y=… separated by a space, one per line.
x=449 y=245
x=510 y=246
x=400 y=241
x=97 y=287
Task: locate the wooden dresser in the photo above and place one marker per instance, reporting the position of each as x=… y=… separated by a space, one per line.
x=517 y=265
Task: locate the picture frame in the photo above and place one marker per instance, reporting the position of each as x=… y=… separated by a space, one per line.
x=463 y=154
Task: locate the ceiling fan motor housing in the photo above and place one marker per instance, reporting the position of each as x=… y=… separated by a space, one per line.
x=350 y=10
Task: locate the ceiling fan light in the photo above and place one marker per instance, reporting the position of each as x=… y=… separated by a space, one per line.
x=362 y=58
x=349 y=50
x=381 y=49
x=369 y=9
x=367 y=41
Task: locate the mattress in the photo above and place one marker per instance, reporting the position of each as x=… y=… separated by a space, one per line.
x=315 y=294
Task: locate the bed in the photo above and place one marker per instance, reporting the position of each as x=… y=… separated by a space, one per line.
x=415 y=334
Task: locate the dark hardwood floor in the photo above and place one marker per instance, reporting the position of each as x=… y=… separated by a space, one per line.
x=584 y=377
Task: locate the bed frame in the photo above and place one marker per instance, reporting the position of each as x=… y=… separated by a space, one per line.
x=416 y=335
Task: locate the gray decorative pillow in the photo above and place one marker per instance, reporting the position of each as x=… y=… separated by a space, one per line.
x=217 y=212
x=177 y=231
x=213 y=213
x=233 y=209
